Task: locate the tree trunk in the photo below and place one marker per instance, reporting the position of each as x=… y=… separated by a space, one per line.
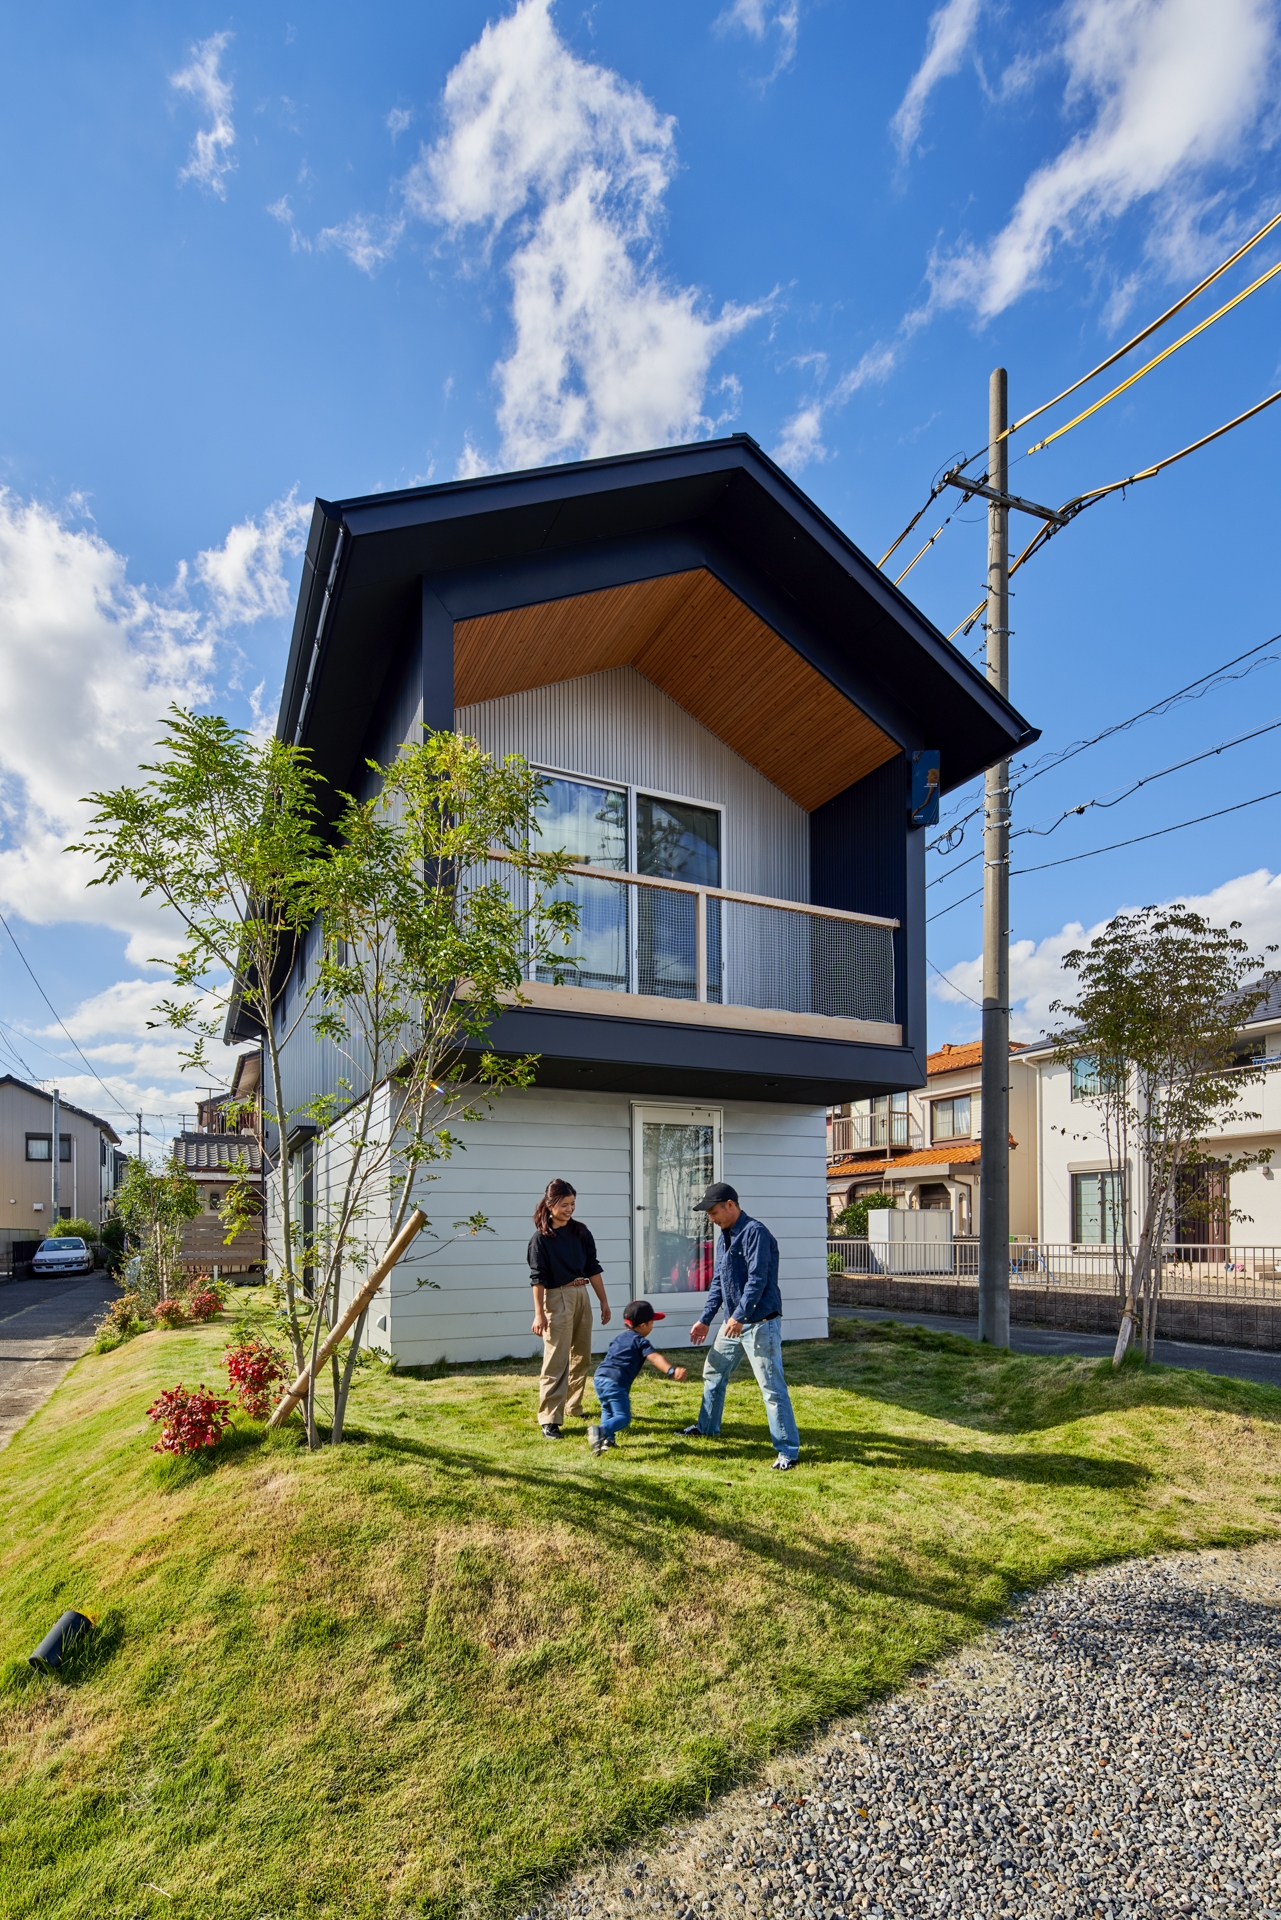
x=1130 y=1309
x=342 y=1390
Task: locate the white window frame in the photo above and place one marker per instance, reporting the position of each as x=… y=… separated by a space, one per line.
x=681 y=1115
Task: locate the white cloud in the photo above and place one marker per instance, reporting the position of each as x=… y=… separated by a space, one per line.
x=211 y=159
x=246 y=575
x=1036 y=967
x=397 y=120
x=88 y=669
x=763 y=19
x=1171 y=88
x=801 y=440
x=282 y=211
x=367 y=241
x=608 y=354
x=951 y=33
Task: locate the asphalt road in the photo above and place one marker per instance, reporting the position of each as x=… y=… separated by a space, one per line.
x=1245 y=1363
x=45 y=1325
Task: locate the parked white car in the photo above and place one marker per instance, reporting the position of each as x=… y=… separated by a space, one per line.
x=65 y=1255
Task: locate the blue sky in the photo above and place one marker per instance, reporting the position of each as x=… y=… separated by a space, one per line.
x=252 y=258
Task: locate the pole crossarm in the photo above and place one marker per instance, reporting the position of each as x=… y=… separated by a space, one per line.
x=1058 y=516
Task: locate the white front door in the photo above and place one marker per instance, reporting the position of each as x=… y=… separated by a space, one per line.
x=676 y=1153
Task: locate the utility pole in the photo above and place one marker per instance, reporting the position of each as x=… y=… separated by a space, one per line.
x=994 y=1160
x=140 y=1136
x=56 y=1156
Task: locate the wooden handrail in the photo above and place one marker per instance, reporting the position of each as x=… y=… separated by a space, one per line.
x=715 y=893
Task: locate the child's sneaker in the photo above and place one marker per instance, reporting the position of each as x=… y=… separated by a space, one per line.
x=608 y=1441
x=594 y=1440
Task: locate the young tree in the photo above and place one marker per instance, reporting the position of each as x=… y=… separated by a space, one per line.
x=851 y=1222
x=1162 y=995
x=226 y=831
x=152 y=1208
x=426 y=908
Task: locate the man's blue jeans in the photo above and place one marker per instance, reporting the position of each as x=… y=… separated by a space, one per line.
x=615 y=1407
x=763 y=1346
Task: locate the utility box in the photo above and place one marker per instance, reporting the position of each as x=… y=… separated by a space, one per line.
x=906 y=1241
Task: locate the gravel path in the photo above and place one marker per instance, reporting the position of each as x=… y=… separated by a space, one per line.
x=1112 y=1748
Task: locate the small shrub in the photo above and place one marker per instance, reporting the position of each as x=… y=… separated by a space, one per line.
x=205 y=1304
x=851 y=1222
x=122 y=1320
x=169 y=1313
x=189 y=1421
x=256 y=1368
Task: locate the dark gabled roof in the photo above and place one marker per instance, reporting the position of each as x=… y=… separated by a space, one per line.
x=82 y=1113
x=217 y=1152
x=503 y=541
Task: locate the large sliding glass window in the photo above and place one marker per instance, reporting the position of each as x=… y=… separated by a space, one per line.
x=676 y=841
x=589 y=823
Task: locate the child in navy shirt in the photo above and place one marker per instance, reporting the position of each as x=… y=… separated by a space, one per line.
x=624 y=1358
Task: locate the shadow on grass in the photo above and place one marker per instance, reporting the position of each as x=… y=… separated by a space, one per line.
x=630 y=1507
x=996 y=1391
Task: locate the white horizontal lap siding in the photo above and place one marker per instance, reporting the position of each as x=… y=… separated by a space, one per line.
x=775 y=1158
x=481 y=1308
x=617 y=727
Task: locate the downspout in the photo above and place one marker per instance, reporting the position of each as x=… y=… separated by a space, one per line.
x=1040 y=1156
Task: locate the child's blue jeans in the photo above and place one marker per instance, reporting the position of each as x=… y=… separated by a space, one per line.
x=615 y=1406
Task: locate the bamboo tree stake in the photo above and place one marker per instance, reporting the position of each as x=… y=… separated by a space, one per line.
x=395 y=1252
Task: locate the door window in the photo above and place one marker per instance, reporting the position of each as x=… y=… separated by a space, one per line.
x=676 y=1153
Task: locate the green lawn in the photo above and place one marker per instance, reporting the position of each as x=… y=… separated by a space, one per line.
x=419 y=1674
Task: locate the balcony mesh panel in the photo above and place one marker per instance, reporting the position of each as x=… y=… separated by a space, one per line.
x=666 y=955
x=798 y=963
x=599 y=946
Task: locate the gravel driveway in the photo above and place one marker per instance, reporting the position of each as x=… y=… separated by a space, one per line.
x=1113 y=1748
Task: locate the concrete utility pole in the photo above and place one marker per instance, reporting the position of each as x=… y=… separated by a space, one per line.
x=56 y=1157
x=140 y=1136
x=994 y=1162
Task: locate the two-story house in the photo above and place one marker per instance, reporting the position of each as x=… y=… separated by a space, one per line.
x=1081 y=1190
x=87 y=1162
x=225 y=1147
x=924 y=1146
x=742 y=725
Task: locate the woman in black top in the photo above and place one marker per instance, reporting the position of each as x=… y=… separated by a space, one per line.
x=562 y=1265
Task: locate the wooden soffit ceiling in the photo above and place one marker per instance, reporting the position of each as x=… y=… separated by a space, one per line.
x=705 y=650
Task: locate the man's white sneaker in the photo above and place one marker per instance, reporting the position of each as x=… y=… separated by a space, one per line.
x=783 y=1464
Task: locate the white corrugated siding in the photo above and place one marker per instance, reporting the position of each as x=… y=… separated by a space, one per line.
x=617 y=726
x=774 y=1155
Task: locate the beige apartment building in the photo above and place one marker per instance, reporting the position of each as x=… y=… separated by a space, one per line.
x=925 y=1146
x=86 y=1162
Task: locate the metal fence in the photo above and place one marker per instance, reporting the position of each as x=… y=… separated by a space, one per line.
x=676 y=941
x=1197 y=1273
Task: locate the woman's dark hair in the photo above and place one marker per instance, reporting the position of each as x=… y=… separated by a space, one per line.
x=556 y=1190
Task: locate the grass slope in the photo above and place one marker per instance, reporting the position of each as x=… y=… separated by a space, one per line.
x=421 y=1673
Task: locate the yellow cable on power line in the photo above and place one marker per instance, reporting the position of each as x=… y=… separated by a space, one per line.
x=1156 y=361
x=1149 y=330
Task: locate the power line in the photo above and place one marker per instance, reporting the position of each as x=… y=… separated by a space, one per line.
x=951 y=983
x=1147 y=779
x=1135 y=839
x=114 y=1098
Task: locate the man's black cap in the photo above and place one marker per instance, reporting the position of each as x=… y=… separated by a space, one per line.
x=716 y=1196
x=639 y=1311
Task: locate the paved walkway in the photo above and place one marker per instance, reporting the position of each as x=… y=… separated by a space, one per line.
x=45 y=1325
x=1245 y=1363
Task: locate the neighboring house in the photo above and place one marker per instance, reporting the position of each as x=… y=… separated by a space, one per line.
x=226 y=1146
x=1081 y=1190
x=925 y=1147
x=730 y=704
x=86 y=1162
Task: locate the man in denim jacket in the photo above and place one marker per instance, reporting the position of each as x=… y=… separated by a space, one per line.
x=745 y=1283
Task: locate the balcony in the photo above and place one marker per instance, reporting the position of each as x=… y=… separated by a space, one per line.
x=872 y=1133
x=656 y=949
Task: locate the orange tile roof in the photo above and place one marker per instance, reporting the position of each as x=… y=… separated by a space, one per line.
x=946 y=1154
x=949 y=1058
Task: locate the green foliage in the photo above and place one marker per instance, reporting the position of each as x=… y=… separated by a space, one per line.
x=851 y=1222
x=152 y=1208
x=111 y=1245
x=74 y=1229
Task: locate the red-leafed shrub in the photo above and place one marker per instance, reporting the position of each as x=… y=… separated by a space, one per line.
x=169 y=1313
x=206 y=1304
x=189 y=1420
x=256 y=1369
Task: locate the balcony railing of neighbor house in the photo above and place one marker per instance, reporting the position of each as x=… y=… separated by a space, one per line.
x=671 y=940
x=1198 y=1273
x=871 y=1133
